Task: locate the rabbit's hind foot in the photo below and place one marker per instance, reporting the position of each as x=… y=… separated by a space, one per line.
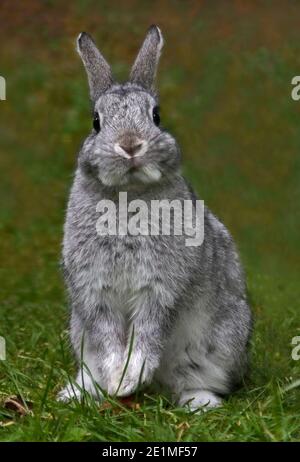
x=199 y=400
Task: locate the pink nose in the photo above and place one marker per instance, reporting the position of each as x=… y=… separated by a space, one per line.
x=131 y=149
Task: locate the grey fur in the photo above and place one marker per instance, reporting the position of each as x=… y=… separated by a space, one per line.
x=145 y=66
x=98 y=70
x=188 y=305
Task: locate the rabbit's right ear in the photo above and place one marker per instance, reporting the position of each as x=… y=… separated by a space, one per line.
x=98 y=70
x=144 y=68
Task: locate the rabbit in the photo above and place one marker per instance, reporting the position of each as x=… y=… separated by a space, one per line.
x=177 y=316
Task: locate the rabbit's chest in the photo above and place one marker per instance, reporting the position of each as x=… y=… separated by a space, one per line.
x=121 y=271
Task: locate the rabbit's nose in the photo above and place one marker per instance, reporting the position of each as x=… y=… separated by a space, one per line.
x=131 y=149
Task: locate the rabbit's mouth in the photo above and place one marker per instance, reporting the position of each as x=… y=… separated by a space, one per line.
x=133 y=169
x=146 y=174
x=135 y=163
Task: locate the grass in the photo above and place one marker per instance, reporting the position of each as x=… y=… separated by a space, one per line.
x=225 y=88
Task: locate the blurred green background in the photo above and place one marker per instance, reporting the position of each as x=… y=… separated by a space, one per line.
x=225 y=86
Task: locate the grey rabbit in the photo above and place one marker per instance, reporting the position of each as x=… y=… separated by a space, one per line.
x=182 y=309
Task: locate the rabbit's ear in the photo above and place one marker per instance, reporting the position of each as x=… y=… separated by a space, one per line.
x=144 y=68
x=98 y=70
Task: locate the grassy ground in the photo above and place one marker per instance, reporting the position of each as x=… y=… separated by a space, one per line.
x=225 y=87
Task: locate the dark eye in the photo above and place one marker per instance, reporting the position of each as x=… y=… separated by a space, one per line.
x=155 y=115
x=96 y=122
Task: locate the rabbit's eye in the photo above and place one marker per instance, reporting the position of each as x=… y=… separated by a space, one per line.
x=96 y=122
x=156 y=117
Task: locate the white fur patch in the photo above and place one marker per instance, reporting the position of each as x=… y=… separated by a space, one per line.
x=148 y=174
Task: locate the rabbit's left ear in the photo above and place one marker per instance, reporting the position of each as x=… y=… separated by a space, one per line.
x=97 y=69
x=144 y=68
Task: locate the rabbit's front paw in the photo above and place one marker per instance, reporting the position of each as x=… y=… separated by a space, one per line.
x=75 y=390
x=114 y=380
x=121 y=387
x=137 y=373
